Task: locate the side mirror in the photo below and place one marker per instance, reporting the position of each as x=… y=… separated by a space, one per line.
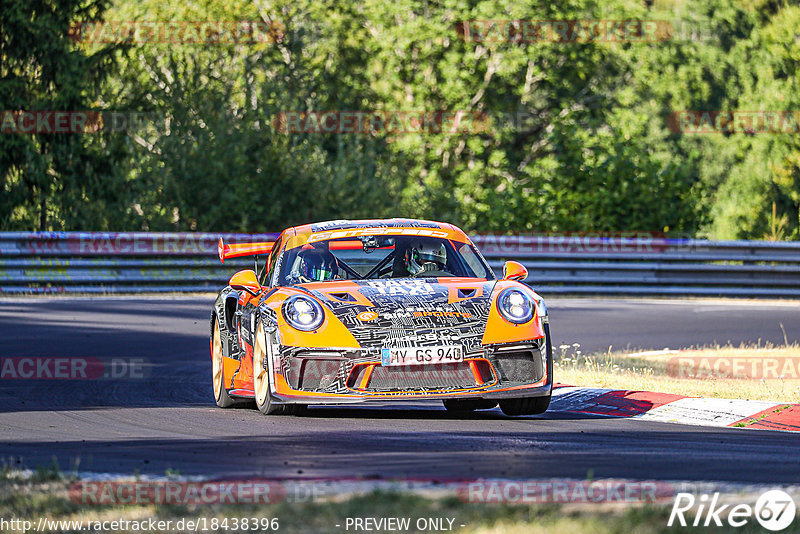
x=514 y=270
x=245 y=281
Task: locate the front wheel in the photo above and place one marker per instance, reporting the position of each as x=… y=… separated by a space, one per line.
x=261 y=388
x=221 y=396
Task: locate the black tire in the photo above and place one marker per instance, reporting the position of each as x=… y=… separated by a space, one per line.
x=261 y=388
x=468 y=405
x=295 y=409
x=221 y=396
x=525 y=405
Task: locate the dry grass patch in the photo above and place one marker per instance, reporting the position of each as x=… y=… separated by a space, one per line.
x=755 y=372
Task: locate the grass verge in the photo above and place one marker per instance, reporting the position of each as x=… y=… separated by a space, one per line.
x=29 y=499
x=770 y=373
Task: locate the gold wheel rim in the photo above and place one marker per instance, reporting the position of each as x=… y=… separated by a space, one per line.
x=216 y=362
x=260 y=375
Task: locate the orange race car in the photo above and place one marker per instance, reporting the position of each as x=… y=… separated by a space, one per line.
x=397 y=309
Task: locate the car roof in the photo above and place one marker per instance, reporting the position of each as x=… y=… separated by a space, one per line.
x=302 y=234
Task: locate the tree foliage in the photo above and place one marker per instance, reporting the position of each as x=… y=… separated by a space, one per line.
x=54 y=180
x=576 y=137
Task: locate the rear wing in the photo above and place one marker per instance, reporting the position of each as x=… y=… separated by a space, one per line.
x=236 y=250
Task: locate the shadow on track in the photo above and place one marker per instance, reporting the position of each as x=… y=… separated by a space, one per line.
x=601 y=449
x=168 y=342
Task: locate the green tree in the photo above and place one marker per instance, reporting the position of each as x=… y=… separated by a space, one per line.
x=572 y=136
x=54 y=181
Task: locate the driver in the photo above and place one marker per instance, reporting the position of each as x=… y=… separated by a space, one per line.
x=317 y=265
x=425 y=256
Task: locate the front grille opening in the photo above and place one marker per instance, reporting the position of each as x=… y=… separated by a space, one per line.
x=416 y=377
x=312 y=373
x=519 y=365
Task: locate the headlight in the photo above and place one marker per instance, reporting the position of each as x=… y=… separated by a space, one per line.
x=515 y=305
x=303 y=313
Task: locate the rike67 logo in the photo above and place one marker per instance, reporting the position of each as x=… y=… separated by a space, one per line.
x=774 y=510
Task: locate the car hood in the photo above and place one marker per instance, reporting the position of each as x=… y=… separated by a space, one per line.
x=409 y=311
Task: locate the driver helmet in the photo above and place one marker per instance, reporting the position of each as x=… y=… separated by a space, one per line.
x=318 y=265
x=425 y=255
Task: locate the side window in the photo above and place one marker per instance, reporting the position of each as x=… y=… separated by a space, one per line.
x=271 y=263
x=473 y=261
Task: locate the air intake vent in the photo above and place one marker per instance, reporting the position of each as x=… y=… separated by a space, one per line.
x=465 y=293
x=421 y=377
x=312 y=373
x=519 y=366
x=344 y=297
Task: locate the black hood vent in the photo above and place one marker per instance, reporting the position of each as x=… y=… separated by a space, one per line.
x=466 y=292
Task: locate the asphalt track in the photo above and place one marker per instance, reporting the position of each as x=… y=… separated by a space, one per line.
x=167 y=420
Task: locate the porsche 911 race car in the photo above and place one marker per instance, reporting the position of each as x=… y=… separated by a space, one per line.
x=375 y=310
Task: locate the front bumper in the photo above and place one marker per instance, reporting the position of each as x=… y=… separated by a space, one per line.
x=347 y=376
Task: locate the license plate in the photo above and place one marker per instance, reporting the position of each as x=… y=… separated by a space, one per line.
x=422 y=355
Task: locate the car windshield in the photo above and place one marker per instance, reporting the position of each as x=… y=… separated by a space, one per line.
x=368 y=257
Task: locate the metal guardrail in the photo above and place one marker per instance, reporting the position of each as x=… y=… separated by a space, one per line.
x=96 y=262
x=90 y=262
